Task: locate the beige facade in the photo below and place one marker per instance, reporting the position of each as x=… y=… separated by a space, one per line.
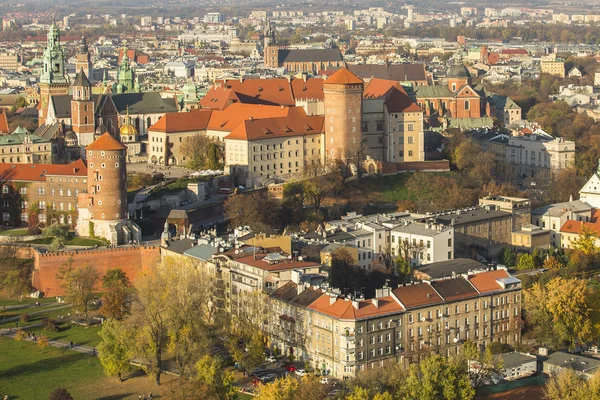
x=536 y=158
x=9 y=62
x=530 y=237
x=553 y=67
x=282 y=157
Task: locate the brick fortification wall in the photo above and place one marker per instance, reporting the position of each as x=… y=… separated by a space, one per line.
x=132 y=260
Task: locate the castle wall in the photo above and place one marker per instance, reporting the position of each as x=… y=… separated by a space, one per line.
x=132 y=260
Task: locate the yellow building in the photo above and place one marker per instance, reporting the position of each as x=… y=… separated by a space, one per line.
x=553 y=67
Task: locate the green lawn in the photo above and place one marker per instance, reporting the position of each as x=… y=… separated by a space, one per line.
x=34 y=318
x=384 y=189
x=27 y=373
x=24 y=301
x=77 y=334
x=14 y=232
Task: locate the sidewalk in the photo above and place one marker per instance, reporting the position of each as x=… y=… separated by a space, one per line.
x=11 y=333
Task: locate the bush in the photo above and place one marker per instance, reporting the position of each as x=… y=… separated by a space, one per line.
x=24 y=318
x=21 y=335
x=50 y=325
x=60 y=394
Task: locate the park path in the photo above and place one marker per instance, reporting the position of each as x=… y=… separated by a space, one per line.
x=18 y=317
x=11 y=332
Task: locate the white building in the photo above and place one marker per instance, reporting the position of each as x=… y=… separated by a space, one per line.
x=146 y=21
x=426 y=243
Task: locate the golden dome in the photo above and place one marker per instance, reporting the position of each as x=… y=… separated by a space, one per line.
x=128 y=129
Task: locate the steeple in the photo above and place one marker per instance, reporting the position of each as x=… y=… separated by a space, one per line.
x=83 y=46
x=125 y=74
x=53 y=59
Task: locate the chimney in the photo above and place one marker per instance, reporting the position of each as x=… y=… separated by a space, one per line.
x=355 y=304
x=289 y=78
x=304 y=77
x=375 y=302
x=332 y=299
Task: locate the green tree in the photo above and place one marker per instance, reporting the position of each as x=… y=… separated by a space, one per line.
x=507 y=256
x=436 y=378
x=568 y=384
x=216 y=379
x=115 y=350
x=116 y=289
x=78 y=285
x=59 y=234
x=281 y=389
x=525 y=262
x=483 y=366
x=248 y=209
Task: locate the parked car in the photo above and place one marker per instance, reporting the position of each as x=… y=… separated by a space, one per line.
x=300 y=372
x=271 y=359
x=325 y=381
x=291 y=368
x=255 y=382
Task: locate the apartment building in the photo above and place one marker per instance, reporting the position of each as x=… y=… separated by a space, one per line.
x=422 y=243
x=538 y=157
x=346 y=336
x=9 y=62
x=22 y=147
x=553 y=67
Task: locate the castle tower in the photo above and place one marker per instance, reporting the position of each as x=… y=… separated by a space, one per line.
x=103 y=209
x=343 y=93
x=82 y=109
x=83 y=60
x=53 y=80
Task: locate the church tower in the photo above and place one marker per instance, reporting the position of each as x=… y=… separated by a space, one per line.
x=270 y=48
x=343 y=93
x=53 y=79
x=103 y=209
x=125 y=75
x=83 y=60
x=82 y=109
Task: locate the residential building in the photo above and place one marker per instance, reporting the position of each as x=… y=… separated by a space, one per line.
x=558 y=361
x=9 y=61
x=422 y=243
x=530 y=237
x=571 y=231
x=448 y=269
x=23 y=147
x=553 y=217
x=345 y=336
x=554 y=67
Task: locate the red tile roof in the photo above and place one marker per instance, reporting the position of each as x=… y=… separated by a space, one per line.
x=276 y=91
x=486 y=281
x=311 y=89
x=106 y=142
x=343 y=77
x=219 y=98
x=194 y=120
x=3 y=122
x=417 y=295
x=379 y=88
x=397 y=100
x=572 y=226
x=226 y=120
x=38 y=172
x=344 y=309
x=295 y=123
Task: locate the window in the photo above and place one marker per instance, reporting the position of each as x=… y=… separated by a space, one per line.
x=5 y=190
x=411 y=127
x=409 y=140
x=410 y=153
x=23 y=190
x=5 y=217
x=467 y=104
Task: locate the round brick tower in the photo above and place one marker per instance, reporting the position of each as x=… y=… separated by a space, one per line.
x=343 y=93
x=103 y=209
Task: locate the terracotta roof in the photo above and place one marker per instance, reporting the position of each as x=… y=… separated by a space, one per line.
x=3 y=122
x=417 y=295
x=572 y=226
x=38 y=172
x=194 y=120
x=295 y=123
x=276 y=91
x=343 y=308
x=219 y=98
x=311 y=89
x=486 y=281
x=106 y=142
x=76 y=168
x=379 y=88
x=398 y=101
x=343 y=77
x=229 y=118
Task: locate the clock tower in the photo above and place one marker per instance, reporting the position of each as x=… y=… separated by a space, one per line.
x=53 y=79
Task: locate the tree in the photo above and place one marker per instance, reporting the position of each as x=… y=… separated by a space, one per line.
x=43 y=342
x=482 y=366
x=116 y=348
x=59 y=234
x=280 y=389
x=586 y=241
x=78 y=284
x=344 y=274
x=437 y=378
x=202 y=151
x=139 y=181
x=256 y=209
x=60 y=394
x=150 y=318
x=525 y=262
x=116 y=289
x=507 y=256
x=217 y=380
x=566 y=385
x=562 y=311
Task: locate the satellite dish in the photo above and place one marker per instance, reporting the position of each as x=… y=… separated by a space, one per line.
x=455 y=340
x=423 y=319
x=221 y=250
x=300 y=258
x=237 y=252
